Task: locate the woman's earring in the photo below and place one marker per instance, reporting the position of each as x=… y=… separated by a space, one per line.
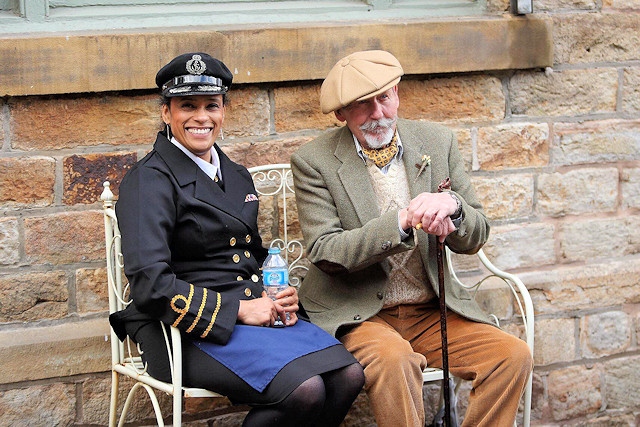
x=168 y=130
x=221 y=134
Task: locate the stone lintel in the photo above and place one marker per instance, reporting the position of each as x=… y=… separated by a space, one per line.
x=81 y=62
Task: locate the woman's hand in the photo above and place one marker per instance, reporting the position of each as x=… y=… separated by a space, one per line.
x=264 y=312
x=287 y=305
x=258 y=312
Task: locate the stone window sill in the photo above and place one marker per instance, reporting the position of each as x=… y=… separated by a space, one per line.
x=57 y=63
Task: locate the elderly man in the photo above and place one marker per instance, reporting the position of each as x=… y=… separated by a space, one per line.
x=370 y=212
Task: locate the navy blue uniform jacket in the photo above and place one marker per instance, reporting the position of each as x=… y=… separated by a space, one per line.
x=191 y=249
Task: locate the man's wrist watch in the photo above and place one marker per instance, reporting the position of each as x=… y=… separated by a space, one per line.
x=457 y=216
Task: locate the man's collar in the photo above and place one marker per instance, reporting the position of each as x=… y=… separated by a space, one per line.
x=363 y=157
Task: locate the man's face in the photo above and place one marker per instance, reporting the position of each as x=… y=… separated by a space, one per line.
x=373 y=120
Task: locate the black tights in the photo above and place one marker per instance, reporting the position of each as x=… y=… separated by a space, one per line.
x=322 y=400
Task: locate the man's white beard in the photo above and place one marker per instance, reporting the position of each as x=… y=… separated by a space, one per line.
x=377 y=140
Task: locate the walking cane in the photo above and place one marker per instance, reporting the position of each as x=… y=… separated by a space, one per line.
x=444 y=185
x=443 y=335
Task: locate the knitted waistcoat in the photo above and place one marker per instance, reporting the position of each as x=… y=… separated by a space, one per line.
x=408 y=282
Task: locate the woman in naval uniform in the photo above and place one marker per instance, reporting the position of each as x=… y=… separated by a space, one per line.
x=192 y=254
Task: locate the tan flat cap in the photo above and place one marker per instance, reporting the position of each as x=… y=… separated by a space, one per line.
x=359 y=76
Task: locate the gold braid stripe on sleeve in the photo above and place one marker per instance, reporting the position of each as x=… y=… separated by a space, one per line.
x=213 y=316
x=182 y=311
x=202 y=304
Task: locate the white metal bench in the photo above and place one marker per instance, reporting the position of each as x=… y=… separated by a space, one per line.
x=278 y=225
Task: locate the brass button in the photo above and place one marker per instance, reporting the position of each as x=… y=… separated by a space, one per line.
x=247 y=254
x=232 y=241
x=239 y=278
x=236 y=258
x=248 y=238
x=255 y=278
x=247 y=292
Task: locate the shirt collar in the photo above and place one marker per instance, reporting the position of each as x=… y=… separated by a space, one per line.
x=211 y=169
x=364 y=158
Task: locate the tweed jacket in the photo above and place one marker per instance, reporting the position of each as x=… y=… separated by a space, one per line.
x=348 y=241
x=191 y=249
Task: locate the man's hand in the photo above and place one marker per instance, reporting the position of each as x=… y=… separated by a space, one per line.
x=431 y=212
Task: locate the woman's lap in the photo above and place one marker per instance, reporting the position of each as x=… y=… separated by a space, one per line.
x=201 y=370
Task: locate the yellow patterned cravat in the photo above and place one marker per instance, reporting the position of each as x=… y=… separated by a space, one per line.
x=383 y=156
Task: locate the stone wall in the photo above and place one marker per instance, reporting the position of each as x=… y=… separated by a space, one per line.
x=554 y=155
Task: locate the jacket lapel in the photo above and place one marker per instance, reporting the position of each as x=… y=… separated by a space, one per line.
x=415 y=148
x=206 y=190
x=355 y=178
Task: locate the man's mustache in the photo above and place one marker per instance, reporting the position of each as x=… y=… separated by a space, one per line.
x=376 y=124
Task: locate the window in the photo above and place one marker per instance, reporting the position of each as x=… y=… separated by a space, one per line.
x=22 y=16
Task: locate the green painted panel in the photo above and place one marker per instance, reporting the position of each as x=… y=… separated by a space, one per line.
x=96 y=15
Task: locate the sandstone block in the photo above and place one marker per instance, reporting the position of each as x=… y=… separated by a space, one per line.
x=630 y=188
x=64 y=238
x=620 y=4
x=605 y=334
x=510 y=146
x=555 y=5
x=39 y=405
x=599 y=238
x=9 y=241
x=142 y=410
x=518 y=246
x=622 y=377
x=465 y=138
x=554 y=341
x=631 y=89
x=53 y=124
x=197 y=405
x=574 y=392
x=595 y=37
x=584 y=287
x=578 y=191
x=595 y=142
x=26 y=181
x=506 y=196
x=459 y=99
x=269 y=151
x=298 y=108
x=96 y=393
x=54 y=351
x=564 y=93
x=248 y=113
x=92 y=290
x=33 y=296
x=83 y=176
x=228 y=420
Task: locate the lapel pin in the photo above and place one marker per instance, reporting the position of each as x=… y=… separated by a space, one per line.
x=426 y=161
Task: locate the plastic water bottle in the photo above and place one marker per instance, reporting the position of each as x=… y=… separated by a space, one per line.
x=275 y=277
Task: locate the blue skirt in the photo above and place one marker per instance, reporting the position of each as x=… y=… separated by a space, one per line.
x=257 y=354
x=262 y=351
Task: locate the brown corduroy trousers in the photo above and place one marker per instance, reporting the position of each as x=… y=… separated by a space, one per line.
x=398 y=343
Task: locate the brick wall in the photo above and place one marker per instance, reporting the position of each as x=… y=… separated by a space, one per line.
x=554 y=154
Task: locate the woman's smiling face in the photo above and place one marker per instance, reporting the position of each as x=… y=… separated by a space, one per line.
x=195 y=121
